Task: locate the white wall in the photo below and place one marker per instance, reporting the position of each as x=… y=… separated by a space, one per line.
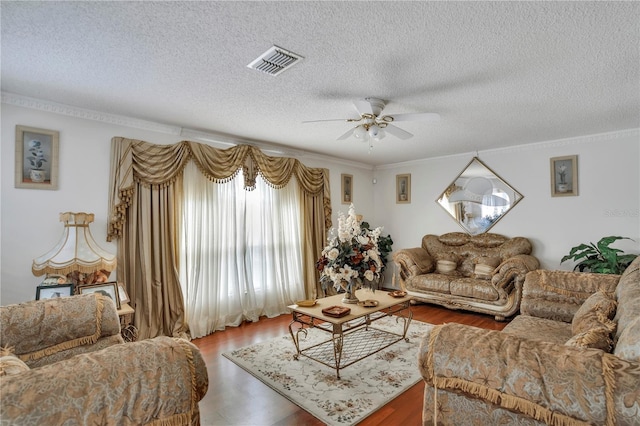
x=29 y=218
x=608 y=201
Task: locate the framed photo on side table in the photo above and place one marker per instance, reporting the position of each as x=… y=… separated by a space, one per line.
x=564 y=176
x=36 y=158
x=54 y=291
x=403 y=189
x=109 y=289
x=124 y=297
x=346 y=188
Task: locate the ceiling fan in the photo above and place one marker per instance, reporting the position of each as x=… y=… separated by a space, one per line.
x=374 y=126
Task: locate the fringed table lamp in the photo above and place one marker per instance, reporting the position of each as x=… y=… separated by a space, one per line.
x=76 y=256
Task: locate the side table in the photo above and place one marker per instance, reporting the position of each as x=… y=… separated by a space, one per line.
x=127 y=329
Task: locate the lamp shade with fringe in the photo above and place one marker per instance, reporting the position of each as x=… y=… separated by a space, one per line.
x=76 y=251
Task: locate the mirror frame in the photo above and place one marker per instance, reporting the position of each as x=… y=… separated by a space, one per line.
x=472 y=188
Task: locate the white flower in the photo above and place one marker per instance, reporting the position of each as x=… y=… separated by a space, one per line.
x=333 y=254
x=369 y=275
x=362 y=239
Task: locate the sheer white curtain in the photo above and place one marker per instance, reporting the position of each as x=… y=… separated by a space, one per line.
x=240 y=251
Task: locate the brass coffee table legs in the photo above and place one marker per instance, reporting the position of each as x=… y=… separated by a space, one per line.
x=351 y=341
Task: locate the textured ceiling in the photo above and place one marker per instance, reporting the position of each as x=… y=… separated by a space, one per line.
x=498 y=73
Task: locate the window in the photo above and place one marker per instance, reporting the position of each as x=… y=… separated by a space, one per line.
x=241 y=251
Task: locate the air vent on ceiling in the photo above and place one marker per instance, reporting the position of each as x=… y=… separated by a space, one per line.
x=275 y=60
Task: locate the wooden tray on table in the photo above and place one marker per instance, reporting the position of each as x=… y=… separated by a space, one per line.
x=336 y=311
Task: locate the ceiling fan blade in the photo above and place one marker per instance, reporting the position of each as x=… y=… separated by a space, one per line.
x=397 y=132
x=331 y=119
x=347 y=134
x=363 y=107
x=416 y=116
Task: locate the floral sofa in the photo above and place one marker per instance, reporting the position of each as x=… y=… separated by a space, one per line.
x=571 y=358
x=63 y=361
x=482 y=273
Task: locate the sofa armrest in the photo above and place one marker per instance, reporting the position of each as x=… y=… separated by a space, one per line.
x=413 y=262
x=557 y=295
x=160 y=379
x=513 y=271
x=556 y=384
x=40 y=331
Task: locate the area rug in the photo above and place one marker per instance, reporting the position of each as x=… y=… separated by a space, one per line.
x=363 y=387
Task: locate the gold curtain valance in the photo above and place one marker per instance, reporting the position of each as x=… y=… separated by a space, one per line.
x=150 y=164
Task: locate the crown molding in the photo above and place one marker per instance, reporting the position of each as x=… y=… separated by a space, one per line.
x=576 y=140
x=86 y=114
x=213 y=138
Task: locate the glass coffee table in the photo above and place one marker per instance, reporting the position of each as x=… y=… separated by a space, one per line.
x=352 y=337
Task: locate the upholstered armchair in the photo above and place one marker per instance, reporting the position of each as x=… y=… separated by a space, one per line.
x=572 y=357
x=63 y=361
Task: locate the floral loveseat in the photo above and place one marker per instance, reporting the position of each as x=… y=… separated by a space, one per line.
x=63 y=361
x=571 y=358
x=482 y=273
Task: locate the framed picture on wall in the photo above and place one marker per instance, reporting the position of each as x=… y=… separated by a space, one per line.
x=54 y=291
x=564 y=176
x=403 y=189
x=109 y=289
x=346 y=188
x=36 y=158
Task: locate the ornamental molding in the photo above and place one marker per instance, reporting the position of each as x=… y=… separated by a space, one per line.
x=212 y=138
x=87 y=114
x=598 y=138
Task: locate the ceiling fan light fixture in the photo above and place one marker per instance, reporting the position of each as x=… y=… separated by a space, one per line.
x=372 y=126
x=360 y=132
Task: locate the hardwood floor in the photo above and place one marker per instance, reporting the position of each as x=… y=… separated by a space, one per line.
x=236 y=398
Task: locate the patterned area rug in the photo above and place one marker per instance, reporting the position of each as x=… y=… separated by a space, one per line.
x=363 y=387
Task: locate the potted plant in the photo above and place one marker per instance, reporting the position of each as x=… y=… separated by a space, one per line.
x=36 y=159
x=600 y=258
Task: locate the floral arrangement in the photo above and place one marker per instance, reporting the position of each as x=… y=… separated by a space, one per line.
x=562 y=171
x=37 y=154
x=352 y=255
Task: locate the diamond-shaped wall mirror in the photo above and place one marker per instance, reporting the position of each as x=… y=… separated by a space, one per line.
x=478 y=198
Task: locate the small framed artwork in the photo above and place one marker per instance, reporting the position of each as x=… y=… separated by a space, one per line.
x=122 y=294
x=564 y=176
x=109 y=289
x=54 y=291
x=403 y=189
x=36 y=158
x=346 y=188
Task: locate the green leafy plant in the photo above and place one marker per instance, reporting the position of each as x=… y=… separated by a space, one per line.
x=600 y=258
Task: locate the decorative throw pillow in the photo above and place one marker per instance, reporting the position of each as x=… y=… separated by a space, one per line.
x=11 y=364
x=598 y=338
x=454 y=239
x=447 y=263
x=446 y=267
x=596 y=311
x=628 y=345
x=484 y=267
